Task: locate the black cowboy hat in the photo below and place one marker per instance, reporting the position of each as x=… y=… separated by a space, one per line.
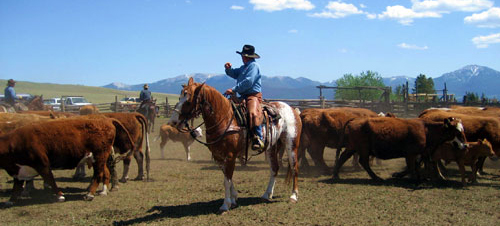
x=11 y=81
x=248 y=51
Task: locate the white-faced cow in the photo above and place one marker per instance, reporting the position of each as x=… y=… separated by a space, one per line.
x=388 y=138
x=477 y=126
x=61 y=144
x=136 y=125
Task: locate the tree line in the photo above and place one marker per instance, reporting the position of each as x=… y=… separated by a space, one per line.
x=422 y=85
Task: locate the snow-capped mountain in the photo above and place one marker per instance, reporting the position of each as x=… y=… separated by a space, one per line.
x=471 y=78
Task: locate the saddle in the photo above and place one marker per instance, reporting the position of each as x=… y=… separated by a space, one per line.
x=242 y=116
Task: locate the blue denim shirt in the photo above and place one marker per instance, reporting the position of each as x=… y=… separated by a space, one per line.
x=10 y=95
x=248 y=78
x=145 y=95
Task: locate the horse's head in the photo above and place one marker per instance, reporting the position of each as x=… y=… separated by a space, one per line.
x=36 y=103
x=188 y=106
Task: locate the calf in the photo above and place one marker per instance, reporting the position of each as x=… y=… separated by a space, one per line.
x=388 y=138
x=168 y=132
x=61 y=144
x=477 y=126
x=466 y=157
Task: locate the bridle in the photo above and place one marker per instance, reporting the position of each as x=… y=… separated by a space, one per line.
x=197 y=110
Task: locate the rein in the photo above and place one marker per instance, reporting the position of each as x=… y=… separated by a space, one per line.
x=192 y=130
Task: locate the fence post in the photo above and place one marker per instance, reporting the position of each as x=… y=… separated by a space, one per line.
x=63 y=107
x=116 y=104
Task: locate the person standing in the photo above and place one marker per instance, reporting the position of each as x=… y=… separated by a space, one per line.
x=10 y=93
x=248 y=86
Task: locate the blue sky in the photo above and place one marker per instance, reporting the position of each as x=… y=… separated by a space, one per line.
x=98 y=42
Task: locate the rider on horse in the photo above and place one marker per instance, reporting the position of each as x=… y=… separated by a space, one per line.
x=248 y=85
x=145 y=98
x=10 y=93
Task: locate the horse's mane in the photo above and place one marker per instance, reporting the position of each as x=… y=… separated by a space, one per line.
x=217 y=101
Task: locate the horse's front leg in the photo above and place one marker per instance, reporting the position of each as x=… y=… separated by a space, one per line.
x=230 y=194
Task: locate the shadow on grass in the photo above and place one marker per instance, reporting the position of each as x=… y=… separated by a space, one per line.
x=41 y=196
x=407 y=183
x=193 y=209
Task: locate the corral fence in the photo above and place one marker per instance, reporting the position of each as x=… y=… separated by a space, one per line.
x=165 y=109
x=408 y=105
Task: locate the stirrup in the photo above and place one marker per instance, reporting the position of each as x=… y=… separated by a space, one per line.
x=257 y=144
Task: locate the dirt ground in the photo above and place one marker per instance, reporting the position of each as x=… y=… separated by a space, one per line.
x=190 y=193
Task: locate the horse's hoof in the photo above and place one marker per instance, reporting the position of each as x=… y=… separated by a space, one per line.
x=114 y=188
x=123 y=180
x=293 y=200
x=233 y=205
x=61 y=198
x=88 y=197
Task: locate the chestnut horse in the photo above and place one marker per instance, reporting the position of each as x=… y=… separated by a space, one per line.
x=34 y=104
x=226 y=140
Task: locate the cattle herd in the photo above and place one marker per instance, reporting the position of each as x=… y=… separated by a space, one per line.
x=34 y=143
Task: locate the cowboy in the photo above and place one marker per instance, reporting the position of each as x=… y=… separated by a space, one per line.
x=10 y=93
x=145 y=98
x=248 y=86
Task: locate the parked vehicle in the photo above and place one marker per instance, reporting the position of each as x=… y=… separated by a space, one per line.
x=129 y=104
x=74 y=103
x=130 y=100
x=54 y=102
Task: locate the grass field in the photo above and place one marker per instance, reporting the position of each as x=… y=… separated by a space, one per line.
x=93 y=94
x=190 y=193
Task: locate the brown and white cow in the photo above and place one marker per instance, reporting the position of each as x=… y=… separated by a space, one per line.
x=136 y=125
x=477 y=126
x=61 y=144
x=168 y=132
x=388 y=138
x=323 y=127
x=464 y=157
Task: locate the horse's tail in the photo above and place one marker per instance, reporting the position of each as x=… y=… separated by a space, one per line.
x=144 y=127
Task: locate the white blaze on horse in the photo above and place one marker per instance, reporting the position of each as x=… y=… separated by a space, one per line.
x=226 y=140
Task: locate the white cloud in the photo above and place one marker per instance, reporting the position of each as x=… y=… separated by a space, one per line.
x=338 y=10
x=485 y=41
x=237 y=7
x=293 y=31
x=371 y=16
x=411 y=46
x=488 y=19
x=362 y=5
x=343 y=50
x=432 y=9
x=447 y=6
x=404 y=15
x=277 y=5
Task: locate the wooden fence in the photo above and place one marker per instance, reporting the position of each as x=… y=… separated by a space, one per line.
x=406 y=109
x=116 y=106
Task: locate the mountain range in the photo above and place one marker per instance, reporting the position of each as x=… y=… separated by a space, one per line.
x=471 y=78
